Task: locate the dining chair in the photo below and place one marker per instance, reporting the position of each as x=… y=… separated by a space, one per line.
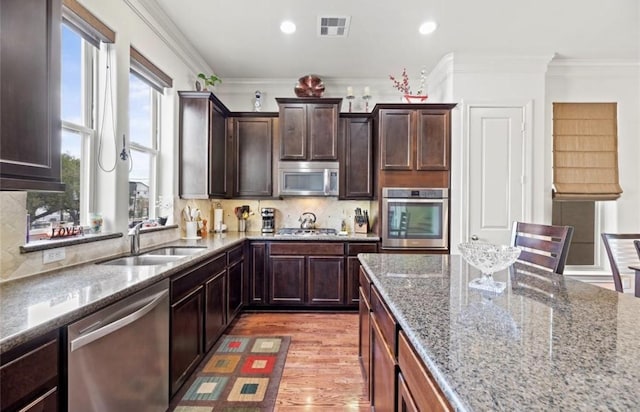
x=621 y=253
x=545 y=246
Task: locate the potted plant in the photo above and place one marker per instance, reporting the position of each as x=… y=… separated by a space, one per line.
x=209 y=80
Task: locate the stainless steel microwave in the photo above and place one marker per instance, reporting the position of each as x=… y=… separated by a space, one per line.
x=308 y=178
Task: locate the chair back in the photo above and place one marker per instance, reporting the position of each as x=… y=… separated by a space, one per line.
x=621 y=253
x=545 y=246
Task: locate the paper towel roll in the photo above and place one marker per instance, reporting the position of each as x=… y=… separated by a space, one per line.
x=217 y=220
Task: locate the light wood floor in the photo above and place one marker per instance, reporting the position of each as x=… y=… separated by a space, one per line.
x=322 y=372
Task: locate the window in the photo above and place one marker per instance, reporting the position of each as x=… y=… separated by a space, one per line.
x=144 y=102
x=146 y=85
x=77 y=81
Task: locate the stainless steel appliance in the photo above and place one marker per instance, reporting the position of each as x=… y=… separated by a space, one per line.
x=415 y=218
x=118 y=357
x=295 y=231
x=268 y=219
x=308 y=178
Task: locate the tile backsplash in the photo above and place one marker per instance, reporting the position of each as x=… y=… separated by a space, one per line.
x=329 y=211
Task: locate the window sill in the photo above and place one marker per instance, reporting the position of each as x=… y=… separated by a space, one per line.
x=39 y=245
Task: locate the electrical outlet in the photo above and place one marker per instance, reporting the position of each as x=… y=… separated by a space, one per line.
x=53 y=255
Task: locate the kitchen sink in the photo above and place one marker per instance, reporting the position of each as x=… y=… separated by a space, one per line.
x=158 y=256
x=176 y=251
x=143 y=260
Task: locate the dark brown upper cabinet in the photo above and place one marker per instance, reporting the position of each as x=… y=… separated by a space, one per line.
x=309 y=128
x=414 y=137
x=356 y=156
x=30 y=95
x=253 y=147
x=205 y=164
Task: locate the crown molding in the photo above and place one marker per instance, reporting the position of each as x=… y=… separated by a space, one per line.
x=150 y=12
x=594 y=67
x=470 y=63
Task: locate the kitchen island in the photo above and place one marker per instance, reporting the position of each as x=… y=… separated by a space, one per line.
x=546 y=343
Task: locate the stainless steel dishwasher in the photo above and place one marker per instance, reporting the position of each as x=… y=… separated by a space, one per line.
x=118 y=357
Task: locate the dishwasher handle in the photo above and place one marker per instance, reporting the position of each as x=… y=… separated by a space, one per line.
x=118 y=324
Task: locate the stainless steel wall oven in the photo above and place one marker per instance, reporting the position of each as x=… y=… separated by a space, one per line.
x=415 y=218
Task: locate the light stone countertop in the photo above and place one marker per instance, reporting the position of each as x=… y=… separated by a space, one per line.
x=575 y=349
x=35 y=305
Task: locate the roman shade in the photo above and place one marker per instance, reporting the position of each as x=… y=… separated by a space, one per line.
x=91 y=28
x=149 y=72
x=585 y=151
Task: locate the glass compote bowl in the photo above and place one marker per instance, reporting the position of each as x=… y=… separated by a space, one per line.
x=489 y=258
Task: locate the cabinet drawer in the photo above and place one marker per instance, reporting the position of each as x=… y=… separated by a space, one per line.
x=307 y=248
x=183 y=283
x=365 y=284
x=424 y=391
x=355 y=248
x=25 y=378
x=235 y=254
x=385 y=319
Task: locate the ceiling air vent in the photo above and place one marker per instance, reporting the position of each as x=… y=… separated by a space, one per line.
x=334 y=26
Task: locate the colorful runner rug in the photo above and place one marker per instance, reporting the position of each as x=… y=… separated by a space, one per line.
x=241 y=374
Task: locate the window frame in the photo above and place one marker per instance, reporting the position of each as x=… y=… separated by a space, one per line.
x=153 y=150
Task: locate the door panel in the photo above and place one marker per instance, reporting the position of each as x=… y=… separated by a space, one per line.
x=496 y=171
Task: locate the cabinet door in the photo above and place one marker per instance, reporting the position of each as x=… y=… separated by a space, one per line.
x=405 y=401
x=30 y=95
x=253 y=149
x=293 y=131
x=383 y=370
x=287 y=275
x=219 y=165
x=257 y=274
x=396 y=139
x=364 y=341
x=433 y=139
x=353 y=268
x=323 y=131
x=29 y=373
x=236 y=287
x=186 y=337
x=325 y=280
x=355 y=166
x=215 y=319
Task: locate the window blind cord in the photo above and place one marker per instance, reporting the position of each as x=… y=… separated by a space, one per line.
x=108 y=93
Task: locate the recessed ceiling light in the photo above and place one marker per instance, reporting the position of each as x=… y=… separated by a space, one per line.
x=287 y=27
x=428 y=27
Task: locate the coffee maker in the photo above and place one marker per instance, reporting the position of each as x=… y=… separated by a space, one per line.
x=268 y=219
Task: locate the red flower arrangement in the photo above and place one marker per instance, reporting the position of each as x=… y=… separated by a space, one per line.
x=403 y=85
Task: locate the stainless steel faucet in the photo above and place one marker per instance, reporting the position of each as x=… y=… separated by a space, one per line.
x=134 y=232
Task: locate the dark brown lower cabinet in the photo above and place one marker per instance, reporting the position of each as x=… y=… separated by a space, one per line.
x=287 y=275
x=215 y=318
x=420 y=388
x=257 y=273
x=235 y=277
x=383 y=371
x=325 y=280
x=364 y=341
x=187 y=319
x=29 y=378
x=204 y=300
x=405 y=400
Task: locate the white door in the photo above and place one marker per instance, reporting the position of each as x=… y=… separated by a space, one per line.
x=496 y=172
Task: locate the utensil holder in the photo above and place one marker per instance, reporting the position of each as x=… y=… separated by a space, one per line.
x=242 y=225
x=360 y=227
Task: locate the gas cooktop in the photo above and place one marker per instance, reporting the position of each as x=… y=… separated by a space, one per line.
x=295 y=231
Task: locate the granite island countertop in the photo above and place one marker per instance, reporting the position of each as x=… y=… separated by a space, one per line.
x=545 y=343
x=35 y=305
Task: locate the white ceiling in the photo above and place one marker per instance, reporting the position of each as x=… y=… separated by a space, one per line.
x=242 y=39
